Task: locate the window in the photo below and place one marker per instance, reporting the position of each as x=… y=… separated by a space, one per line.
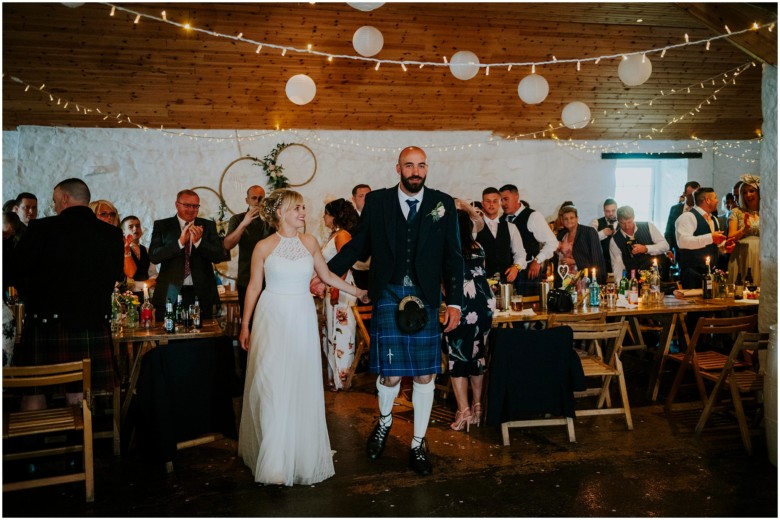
x=650 y=186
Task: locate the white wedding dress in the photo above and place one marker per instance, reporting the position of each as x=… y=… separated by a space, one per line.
x=283 y=436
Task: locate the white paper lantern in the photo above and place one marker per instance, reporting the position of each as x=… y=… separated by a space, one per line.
x=365 y=6
x=368 y=41
x=533 y=89
x=300 y=89
x=72 y=4
x=635 y=70
x=576 y=115
x=464 y=65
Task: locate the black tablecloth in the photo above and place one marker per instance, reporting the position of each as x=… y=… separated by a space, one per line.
x=185 y=390
x=532 y=372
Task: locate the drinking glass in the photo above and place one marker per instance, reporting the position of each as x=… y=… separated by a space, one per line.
x=517 y=302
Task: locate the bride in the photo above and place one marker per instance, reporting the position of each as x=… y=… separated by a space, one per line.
x=283 y=437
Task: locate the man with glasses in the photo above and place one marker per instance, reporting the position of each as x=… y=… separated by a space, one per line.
x=186 y=247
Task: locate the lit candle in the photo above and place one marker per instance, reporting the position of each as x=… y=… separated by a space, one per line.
x=593 y=273
x=655 y=263
x=708 y=261
x=146 y=292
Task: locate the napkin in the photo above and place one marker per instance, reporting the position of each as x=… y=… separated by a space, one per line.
x=623 y=302
x=687 y=293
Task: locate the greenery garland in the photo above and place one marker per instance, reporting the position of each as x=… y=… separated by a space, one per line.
x=274 y=171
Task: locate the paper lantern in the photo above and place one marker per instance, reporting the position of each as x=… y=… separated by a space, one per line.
x=365 y=6
x=368 y=41
x=635 y=70
x=72 y=4
x=576 y=115
x=300 y=89
x=533 y=89
x=464 y=65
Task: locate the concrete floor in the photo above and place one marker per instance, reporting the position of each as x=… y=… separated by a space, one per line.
x=659 y=469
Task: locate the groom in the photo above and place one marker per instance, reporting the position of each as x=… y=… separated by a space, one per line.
x=411 y=233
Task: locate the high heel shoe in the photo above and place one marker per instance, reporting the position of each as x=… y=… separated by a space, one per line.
x=462 y=419
x=477 y=415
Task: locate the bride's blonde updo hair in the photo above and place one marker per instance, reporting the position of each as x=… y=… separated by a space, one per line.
x=282 y=199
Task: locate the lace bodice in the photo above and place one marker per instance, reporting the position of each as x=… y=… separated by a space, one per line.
x=754 y=229
x=289 y=267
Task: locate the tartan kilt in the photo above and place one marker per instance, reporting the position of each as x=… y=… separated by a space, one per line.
x=394 y=353
x=54 y=342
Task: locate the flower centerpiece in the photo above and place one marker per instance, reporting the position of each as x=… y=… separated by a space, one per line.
x=129 y=305
x=274 y=171
x=719 y=281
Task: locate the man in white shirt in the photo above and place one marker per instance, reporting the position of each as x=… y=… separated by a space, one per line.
x=635 y=244
x=504 y=251
x=698 y=238
x=538 y=239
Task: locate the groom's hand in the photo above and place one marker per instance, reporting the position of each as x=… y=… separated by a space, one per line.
x=316 y=287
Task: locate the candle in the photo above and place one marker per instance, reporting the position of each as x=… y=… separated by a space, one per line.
x=708 y=261
x=655 y=263
x=593 y=273
x=146 y=292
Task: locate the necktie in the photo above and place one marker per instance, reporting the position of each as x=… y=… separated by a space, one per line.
x=708 y=218
x=187 y=249
x=412 y=208
x=510 y=218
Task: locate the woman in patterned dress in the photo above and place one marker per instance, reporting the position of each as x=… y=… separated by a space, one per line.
x=745 y=229
x=466 y=343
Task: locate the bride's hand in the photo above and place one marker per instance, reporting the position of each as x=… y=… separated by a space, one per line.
x=362 y=295
x=243 y=338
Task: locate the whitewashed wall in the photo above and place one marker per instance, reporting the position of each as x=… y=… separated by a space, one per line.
x=141 y=171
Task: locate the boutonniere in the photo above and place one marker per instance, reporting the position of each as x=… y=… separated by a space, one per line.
x=438 y=212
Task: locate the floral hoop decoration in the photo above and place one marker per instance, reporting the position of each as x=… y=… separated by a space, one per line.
x=274 y=171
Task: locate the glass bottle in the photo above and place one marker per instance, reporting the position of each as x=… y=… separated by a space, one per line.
x=195 y=317
x=655 y=285
x=707 y=282
x=179 y=311
x=623 y=286
x=168 y=320
x=147 y=314
x=739 y=287
x=749 y=279
x=595 y=291
x=633 y=289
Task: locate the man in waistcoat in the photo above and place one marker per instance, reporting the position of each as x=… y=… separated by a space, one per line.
x=411 y=233
x=698 y=238
x=538 y=240
x=503 y=246
x=606 y=226
x=635 y=244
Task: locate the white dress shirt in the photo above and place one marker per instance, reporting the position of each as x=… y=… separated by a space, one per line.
x=684 y=227
x=659 y=246
x=515 y=241
x=541 y=231
x=403 y=197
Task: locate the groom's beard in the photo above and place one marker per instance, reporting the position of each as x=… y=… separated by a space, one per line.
x=410 y=187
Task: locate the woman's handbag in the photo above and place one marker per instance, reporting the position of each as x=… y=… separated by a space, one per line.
x=410 y=316
x=559 y=300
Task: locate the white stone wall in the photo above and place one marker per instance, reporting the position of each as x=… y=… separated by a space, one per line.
x=141 y=171
x=768 y=307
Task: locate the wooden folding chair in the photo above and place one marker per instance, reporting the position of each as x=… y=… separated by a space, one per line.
x=611 y=367
x=362 y=339
x=50 y=421
x=560 y=320
x=706 y=361
x=739 y=382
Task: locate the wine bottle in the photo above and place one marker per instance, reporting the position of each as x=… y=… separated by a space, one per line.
x=179 y=311
x=115 y=310
x=706 y=287
x=633 y=289
x=623 y=287
x=168 y=320
x=749 y=279
x=147 y=314
x=196 y=314
x=655 y=283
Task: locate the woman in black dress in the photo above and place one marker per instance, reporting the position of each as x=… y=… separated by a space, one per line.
x=466 y=344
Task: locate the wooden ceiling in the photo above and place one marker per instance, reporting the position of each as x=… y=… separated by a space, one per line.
x=161 y=75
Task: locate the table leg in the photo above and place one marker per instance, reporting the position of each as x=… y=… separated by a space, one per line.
x=668 y=322
x=134 y=375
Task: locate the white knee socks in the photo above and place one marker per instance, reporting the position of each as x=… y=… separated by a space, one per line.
x=387 y=395
x=422 y=399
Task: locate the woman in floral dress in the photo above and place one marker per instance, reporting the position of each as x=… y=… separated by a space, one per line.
x=338 y=334
x=466 y=343
x=745 y=229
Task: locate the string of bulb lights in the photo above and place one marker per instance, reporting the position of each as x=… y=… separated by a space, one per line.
x=404 y=64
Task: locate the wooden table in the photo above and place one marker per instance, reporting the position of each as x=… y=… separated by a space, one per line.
x=670 y=314
x=145 y=340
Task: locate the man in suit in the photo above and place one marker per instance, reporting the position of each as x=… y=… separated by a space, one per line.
x=504 y=252
x=606 y=227
x=411 y=233
x=67 y=267
x=538 y=240
x=698 y=238
x=674 y=212
x=186 y=247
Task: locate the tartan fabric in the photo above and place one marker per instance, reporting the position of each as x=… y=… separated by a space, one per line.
x=54 y=342
x=394 y=353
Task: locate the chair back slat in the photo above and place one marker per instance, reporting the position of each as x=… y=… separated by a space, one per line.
x=559 y=320
x=48 y=375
